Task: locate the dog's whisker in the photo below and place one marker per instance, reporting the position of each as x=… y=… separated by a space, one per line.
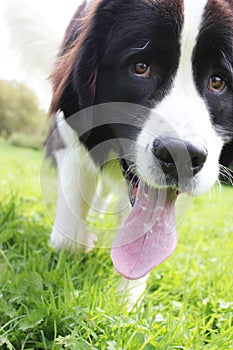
x=226 y=173
x=131 y=168
x=219 y=185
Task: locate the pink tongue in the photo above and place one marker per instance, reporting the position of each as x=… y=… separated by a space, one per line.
x=148 y=236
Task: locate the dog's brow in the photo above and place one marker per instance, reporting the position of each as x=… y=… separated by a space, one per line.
x=141 y=48
x=227 y=61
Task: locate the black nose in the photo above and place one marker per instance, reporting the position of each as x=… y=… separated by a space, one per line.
x=179 y=158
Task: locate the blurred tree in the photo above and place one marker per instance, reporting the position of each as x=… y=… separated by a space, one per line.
x=19 y=109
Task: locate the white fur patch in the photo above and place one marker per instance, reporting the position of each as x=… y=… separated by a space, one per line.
x=75 y=194
x=83 y=187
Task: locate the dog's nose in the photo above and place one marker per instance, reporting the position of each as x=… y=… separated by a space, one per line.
x=179 y=158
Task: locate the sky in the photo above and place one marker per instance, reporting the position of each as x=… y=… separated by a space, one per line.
x=30 y=35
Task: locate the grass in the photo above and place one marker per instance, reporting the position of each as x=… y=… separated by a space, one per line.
x=53 y=300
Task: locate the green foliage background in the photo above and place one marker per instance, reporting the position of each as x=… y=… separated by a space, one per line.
x=22 y=121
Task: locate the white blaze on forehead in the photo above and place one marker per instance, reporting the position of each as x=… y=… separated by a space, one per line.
x=182 y=110
x=193 y=12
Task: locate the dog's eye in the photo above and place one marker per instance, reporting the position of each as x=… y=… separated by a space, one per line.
x=141 y=70
x=216 y=84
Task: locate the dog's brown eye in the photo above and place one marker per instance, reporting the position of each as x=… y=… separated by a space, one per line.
x=216 y=84
x=141 y=69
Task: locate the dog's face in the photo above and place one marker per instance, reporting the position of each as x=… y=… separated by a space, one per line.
x=174 y=58
x=177 y=61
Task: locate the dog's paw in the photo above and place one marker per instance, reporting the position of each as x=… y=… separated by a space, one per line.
x=80 y=240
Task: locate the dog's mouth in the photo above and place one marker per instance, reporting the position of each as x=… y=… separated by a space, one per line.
x=148 y=236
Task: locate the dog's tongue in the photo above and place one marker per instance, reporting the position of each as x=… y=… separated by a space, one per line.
x=148 y=236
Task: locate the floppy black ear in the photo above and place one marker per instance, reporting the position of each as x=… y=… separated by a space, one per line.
x=65 y=79
x=74 y=77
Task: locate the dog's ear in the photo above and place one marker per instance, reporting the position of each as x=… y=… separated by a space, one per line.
x=74 y=77
x=68 y=78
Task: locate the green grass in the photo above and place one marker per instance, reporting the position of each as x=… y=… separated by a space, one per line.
x=51 y=300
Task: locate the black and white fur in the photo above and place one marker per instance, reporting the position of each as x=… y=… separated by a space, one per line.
x=185 y=43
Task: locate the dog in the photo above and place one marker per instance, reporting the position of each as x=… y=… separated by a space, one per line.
x=142 y=96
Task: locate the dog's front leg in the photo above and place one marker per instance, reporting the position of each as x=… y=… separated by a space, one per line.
x=76 y=188
x=132 y=290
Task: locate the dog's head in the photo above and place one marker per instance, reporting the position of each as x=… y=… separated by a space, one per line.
x=174 y=60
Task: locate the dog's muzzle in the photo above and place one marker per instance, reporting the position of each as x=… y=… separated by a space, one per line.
x=179 y=160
